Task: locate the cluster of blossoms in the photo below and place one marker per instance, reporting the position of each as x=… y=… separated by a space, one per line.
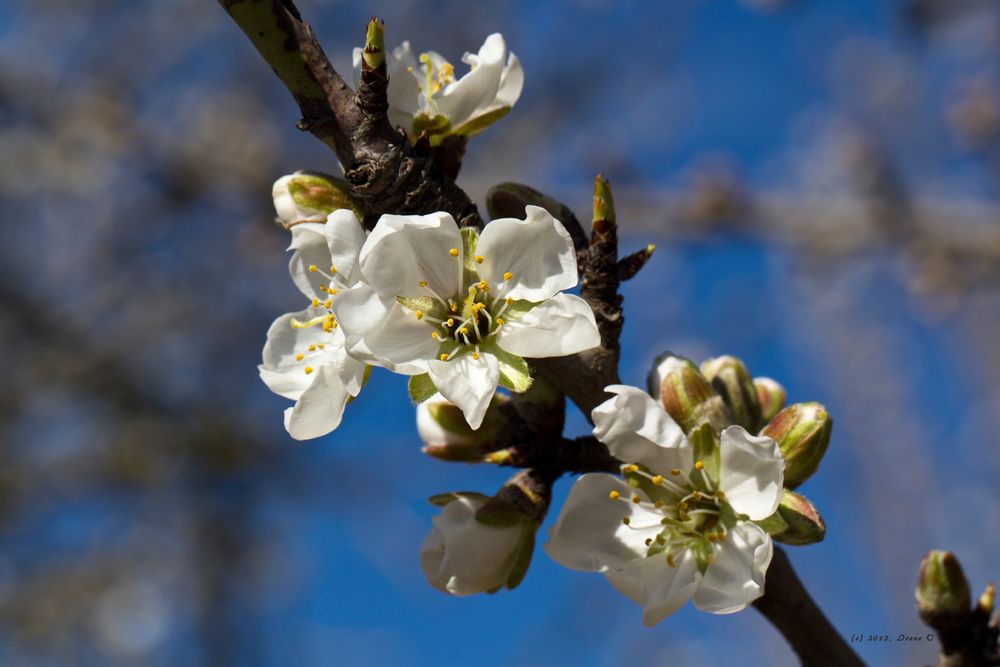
x=709 y=456
x=456 y=310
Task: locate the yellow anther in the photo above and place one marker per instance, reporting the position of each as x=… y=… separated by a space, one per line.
x=657 y=480
x=648 y=541
x=443 y=357
x=712 y=537
x=699 y=464
x=308 y=369
x=660 y=539
x=614 y=495
x=453 y=252
x=312 y=268
x=510 y=300
x=315 y=303
x=454 y=307
x=299 y=356
x=419 y=314
x=464 y=331
x=450 y=322
x=333 y=269
x=482 y=285
x=323 y=288
x=670 y=560
x=499 y=321
x=321 y=346
x=479 y=259
x=720 y=494
x=332 y=290
x=312 y=348
x=475 y=355
x=434 y=335
x=423 y=283
x=631 y=468
x=682 y=506
x=625 y=520
x=507 y=275
x=675 y=471
x=696 y=495
x=636 y=500
x=326 y=304
x=659 y=503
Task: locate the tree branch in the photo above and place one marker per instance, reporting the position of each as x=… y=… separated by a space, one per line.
x=792 y=611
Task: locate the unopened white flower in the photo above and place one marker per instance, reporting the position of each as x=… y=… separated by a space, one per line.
x=679 y=526
x=466 y=308
x=306 y=356
x=462 y=556
x=308 y=197
x=424 y=94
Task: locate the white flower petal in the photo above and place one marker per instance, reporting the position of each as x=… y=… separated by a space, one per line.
x=462 y=556
x=285 y=341
x=404 y=250
x=320 y=407
x=511 y=83
x=475 y=91
x=468 y=383
x=344 y=238
x=736 y=576
x=589 y=534
x=359 y=309
x=637 y=430
x=751 y=472
x=401 y=342
x=309 y=244
x=404 y=86
x=556 y=327
x=660 y=588
x=537 y=252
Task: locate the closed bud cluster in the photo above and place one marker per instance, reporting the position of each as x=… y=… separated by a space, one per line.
x=802 y=431
x=732 y=381
x=310 y=197
x=447 y=435
x=686 y=395
x=942 y=590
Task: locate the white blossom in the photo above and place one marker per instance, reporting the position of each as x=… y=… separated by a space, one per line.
x=306 y=356
x=424 y=94
x=679 y=525
x=466 y=308
x=461 y=556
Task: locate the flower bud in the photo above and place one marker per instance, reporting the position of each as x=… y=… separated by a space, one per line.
x=731 y=379
x=310 y=197
x=803 y=523
x=685 y=394
x=802 y=431
x=447 y=435
x=463 y=556
x=942 y=589
x=771 y=396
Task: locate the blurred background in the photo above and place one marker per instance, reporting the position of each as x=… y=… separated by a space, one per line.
x=822 y=181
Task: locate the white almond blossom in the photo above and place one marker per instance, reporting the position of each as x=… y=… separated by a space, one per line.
x=462 y=556
x=466 y=308
x=679 y=525
x=306 y=357
x=424 y=94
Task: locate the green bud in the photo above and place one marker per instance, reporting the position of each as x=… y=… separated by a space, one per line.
x=604 y=204
x=733 y=382
x=802 y=523
x=685 y=394
x=448 y=437
x=374 y=51
x=310 y=197
x=771 y=396
x=942 y=590
x=802 y=431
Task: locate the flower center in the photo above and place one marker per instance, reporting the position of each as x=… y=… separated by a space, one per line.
x=693 y=515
